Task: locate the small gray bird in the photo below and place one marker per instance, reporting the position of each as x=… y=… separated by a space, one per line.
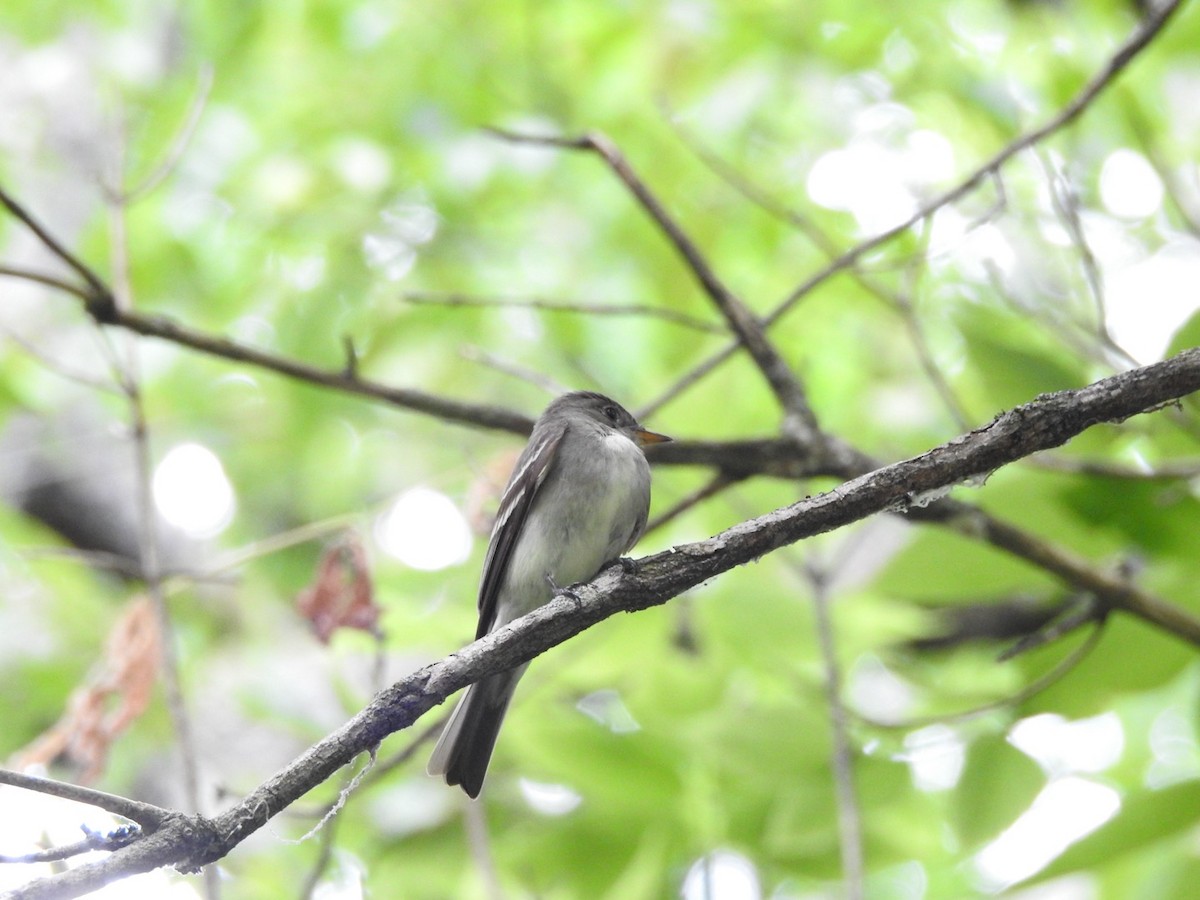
x=577 y=499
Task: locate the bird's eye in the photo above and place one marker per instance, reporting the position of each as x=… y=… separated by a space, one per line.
x=611 y=413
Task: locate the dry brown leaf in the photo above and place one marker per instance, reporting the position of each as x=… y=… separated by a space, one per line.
x=111 y=698
x=342 y=594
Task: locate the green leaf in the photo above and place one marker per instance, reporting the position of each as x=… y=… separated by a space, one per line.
x=1013 y=359
x=998 y=783
x=1186 y=336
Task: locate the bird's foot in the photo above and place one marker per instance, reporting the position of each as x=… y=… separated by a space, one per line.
x=628 y=565
x=567 y=591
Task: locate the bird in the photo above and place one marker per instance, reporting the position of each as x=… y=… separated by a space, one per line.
x=577 y=500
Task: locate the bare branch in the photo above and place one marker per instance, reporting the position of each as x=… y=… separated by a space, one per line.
x=801 y=422
x=711 y=488
x=44 y=279
x=150 y=817
x=418 y=401
x=1147 y=30
x=900 y=302
x=179 y=143
x=98 y=297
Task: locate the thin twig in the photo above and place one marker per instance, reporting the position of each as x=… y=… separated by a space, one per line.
x=56 y=366
x=149 y=544
x=899 y=302
x=849 y=818
x=452 y=299
x=93 y=840
x=99 y=299
x=1083 y=611
x=1164 y=471
x=711 y=488
x=1059 y=671
x=1147 y=30
x=147 y=815
x=441 y=407
x=324 y=857
x=480 y=846
x=1065 y=200
x=178 y=145
x=44 y=279
x=530 y=376
x=800 y=421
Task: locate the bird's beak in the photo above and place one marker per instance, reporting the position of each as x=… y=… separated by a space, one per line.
x=643 y=437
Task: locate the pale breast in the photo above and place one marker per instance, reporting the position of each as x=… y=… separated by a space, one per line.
x=609 y=496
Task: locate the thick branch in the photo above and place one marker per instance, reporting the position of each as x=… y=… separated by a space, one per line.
x=1049 y=421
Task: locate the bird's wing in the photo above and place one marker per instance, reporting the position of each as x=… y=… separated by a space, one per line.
x=530 y=472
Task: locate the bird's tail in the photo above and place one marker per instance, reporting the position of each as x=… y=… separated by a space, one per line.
x=465 y=747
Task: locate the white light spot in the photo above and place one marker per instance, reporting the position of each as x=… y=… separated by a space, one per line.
x=898 y=53
x=369 y=23
x=1065 y=811
x=304 y=272
x=865 y=180
x=877 y=692
x=1129 y=186
x=33 y=821
x=470 y=161
x=1173 y=743
x=929 y=158
x=283 y=181
x=192 y=492
x=393 y=248
x=133 y=58
x=362 y=164
x=549 y=799
x=607 y=708
x=690 y=16
x=831 y=30
x=410 y=807
x=1148 y=301
x=723 y=874
x=424 y=530
x=984 y=249
x=343 y=880
x=935 y=756
x=1061 y=747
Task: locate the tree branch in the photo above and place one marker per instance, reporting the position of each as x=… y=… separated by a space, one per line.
x=1049 y=421
x=150 y=817
x=802 y=423
x=1143 y=35
x=443 y=408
